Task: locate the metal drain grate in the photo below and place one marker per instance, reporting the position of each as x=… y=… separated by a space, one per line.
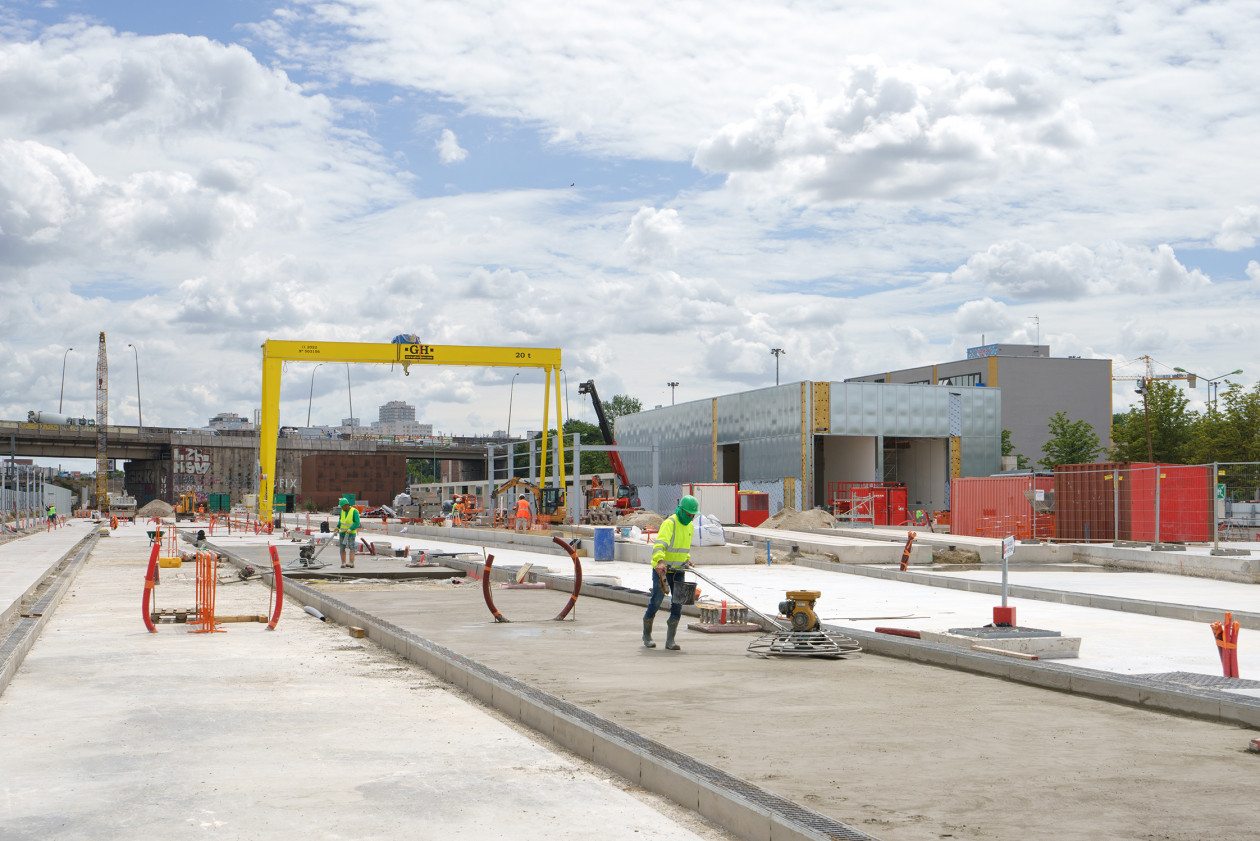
x=1203 y=681
x=781 y=807
x=24 y=627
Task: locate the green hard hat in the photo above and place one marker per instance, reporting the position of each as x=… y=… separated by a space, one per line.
x=344 y=501
x=689 y=504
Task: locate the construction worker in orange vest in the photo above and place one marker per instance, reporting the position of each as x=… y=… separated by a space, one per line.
x=457 y=512
x=522 y=514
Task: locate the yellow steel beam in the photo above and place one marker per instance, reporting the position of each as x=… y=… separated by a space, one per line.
x=277 y=352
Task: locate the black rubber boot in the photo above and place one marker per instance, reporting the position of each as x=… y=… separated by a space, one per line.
x=647 y=634
x=669 y=637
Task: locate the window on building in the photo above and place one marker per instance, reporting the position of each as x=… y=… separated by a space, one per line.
x=960 y=379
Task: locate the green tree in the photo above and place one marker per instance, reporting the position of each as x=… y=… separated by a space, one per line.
x=621 y=405
x=1008 y=449
x=421 y=471
x=1171 y=427
x=1071 y=442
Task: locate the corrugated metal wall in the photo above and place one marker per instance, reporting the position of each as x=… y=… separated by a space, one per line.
x=766 y=423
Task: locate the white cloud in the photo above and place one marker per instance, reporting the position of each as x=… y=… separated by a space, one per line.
x=1018 y=270
x=448 y=148
x=895 y=133
x=653 y=234
x=1240 y=229
x=986 y=316
x=1253 y=271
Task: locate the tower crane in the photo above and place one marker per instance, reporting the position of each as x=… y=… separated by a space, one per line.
x=1144 y=381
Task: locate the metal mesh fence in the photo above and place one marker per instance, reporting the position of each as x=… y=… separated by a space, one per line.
x=21 y=492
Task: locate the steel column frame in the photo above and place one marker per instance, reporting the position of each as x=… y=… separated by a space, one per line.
x=277 y=352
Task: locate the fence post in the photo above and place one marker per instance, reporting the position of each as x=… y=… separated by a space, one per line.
x=1216 y=526
x=1115 y=495
x=1158 y=473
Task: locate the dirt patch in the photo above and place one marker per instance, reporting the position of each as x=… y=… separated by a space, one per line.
x=642 y=519
x=955 y=556
x=793 y=520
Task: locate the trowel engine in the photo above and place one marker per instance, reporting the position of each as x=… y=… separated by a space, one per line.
x=799 y=609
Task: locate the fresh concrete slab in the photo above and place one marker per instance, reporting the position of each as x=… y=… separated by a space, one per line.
x=111 y=732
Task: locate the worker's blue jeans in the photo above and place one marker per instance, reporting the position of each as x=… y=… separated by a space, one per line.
x=674 y=577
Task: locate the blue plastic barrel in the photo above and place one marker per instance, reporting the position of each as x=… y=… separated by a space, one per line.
x=604 y=543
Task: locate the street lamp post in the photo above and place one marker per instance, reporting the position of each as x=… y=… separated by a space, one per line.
x=63 y=379
x=777 y=351
x=139 y=406
x=511 y=394
x=310 y=396
x=1213 y=384
x=672 y=386
x=351 y=395
x=567 y=413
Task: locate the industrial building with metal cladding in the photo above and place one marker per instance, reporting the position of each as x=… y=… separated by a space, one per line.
x=802 y=442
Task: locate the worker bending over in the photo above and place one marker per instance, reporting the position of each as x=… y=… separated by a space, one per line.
x=671 y=552
x=347 y=531
x=522 y=514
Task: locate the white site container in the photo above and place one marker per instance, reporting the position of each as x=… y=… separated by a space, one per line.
x=717 y=499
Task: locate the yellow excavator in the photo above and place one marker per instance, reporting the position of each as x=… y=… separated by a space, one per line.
x=549 y=503
x=186 y=507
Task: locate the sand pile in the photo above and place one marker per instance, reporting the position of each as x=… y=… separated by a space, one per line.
x=156 y=508
x=792 y=520
x=955 y=556
x=642 y=519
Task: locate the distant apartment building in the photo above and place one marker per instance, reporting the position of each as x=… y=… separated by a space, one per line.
x=1034 y=387
x=398 y=418
x=229 y=420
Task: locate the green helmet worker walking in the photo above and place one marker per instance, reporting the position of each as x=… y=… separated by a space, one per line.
x=671 y=552
x=347 y=530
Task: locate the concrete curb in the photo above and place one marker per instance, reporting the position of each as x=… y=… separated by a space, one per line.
x=735 y=804
x=1165 y=610
x=15 y=647
x=1126 y=689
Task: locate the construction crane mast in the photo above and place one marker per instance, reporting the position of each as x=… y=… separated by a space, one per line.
x=627 y=498
x=1144 y=382
x=102 y=417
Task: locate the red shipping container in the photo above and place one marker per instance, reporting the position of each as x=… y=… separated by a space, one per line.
x=1181 y=494
x=1085 y=504
x=998 y=506
x=1092 y=496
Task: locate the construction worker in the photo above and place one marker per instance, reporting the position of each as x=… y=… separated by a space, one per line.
x=457 y=512
x=522 y=514
x=347 y=531
x=52 y=517
x=671 y=552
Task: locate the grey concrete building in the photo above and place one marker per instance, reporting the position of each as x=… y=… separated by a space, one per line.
x=792 y=441
x=1034 y=387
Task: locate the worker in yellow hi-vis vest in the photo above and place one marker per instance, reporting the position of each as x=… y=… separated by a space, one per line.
x=347 y=531
x=671 y=552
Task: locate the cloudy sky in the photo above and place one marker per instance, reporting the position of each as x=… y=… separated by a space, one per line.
x=664 y=190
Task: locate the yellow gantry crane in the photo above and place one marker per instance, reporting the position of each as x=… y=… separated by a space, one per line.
x=275 y=353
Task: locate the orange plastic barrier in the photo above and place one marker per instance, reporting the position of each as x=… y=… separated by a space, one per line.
x=1226 y=634
x=207 y=579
